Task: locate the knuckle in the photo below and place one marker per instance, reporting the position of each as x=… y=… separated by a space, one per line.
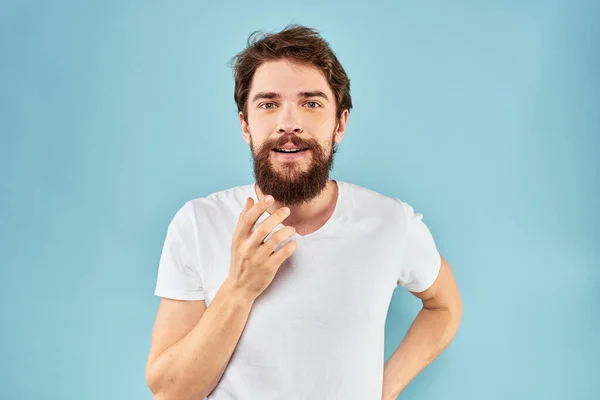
x=291 y=247
x=244 y=252
x=246 y=219
x=263 y=230
x=278 y=236
x=284 y=233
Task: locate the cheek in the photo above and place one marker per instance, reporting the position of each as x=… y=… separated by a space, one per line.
x=261 y=119
x=259 y=130
x=318 y=123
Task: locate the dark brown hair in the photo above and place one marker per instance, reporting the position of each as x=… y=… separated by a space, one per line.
x=297 y=43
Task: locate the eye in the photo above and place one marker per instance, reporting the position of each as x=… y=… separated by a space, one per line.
x=267 y=106
x=312 y=104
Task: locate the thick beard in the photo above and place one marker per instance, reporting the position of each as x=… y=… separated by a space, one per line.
x=290 y=186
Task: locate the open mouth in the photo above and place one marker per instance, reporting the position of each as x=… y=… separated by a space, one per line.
x=289 y=151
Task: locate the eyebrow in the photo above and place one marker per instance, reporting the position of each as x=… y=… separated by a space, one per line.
x=274 y=96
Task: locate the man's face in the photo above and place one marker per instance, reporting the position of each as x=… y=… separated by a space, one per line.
x=291 y=130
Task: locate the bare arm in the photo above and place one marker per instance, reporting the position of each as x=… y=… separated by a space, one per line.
x=192 y=344
x=432 y=330
x=193 y=364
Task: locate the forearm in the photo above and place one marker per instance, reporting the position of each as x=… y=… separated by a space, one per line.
x=428 y=336
x=192 y=367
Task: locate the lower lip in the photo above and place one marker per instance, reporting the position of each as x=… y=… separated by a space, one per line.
x=290 y=156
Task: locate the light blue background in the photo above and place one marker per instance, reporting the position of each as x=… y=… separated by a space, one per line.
x=482 y=115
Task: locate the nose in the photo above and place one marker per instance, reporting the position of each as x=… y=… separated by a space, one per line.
x=289 y=122
x=284 y=130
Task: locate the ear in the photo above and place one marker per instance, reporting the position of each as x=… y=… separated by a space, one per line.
x=341 y=127
x=244 y=126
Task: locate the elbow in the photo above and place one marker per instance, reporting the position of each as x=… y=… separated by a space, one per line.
x=451 y=317
x=152 y=382
x=171 y=395
x=160 y=395
x=456 y=314
x=163 y=388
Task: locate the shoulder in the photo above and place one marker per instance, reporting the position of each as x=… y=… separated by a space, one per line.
x=363 y=198
x=370 y=207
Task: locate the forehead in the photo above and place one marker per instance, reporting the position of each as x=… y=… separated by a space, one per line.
x=288 y=78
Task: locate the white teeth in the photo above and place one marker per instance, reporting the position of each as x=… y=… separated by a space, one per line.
x=289 y=150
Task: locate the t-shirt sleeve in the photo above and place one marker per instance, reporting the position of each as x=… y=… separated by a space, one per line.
x=178 y=271
x=421 y=259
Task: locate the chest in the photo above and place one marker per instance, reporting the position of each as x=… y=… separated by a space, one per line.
x=347 y=275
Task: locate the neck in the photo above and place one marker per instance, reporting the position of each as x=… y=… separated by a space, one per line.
x=310 y=213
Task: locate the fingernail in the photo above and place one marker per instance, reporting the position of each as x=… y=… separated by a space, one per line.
x=286 y=210
x=269 y=199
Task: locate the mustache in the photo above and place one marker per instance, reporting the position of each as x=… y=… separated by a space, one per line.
x=287 y=138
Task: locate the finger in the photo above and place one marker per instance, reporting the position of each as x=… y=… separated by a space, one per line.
x=283 y=254
x=247 y=205
x=249 y=218
x=266 y=249
x=264 y=229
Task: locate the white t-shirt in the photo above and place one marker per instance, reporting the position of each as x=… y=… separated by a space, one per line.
x=317 y=331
